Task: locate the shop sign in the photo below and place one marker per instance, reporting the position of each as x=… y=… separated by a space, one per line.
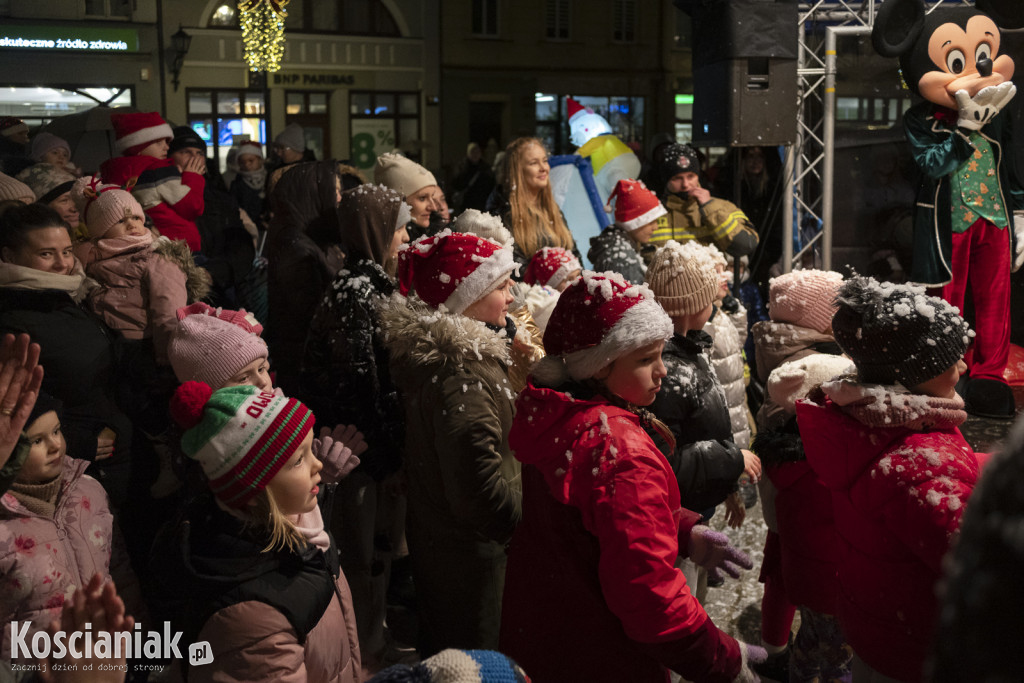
x=323 y=80
x=69 y=38
x=370 y=139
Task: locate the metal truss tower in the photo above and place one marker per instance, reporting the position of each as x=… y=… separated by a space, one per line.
x=810 y=162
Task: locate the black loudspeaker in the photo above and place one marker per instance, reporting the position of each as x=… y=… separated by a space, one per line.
x=744 y=71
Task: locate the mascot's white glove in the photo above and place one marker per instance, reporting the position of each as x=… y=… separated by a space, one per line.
x=1018 y=232
x=976 y=112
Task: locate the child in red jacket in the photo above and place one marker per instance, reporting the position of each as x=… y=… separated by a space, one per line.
x=887 y=446
x=592 y=591
x=171 y=196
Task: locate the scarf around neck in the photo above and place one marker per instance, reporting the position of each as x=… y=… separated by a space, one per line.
x=256 y=180
x=879 y=405
x=76 y=285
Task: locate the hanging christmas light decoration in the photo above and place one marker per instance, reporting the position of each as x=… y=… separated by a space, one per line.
x=263 y=33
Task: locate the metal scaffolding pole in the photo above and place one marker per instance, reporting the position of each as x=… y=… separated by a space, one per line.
x=811 y=170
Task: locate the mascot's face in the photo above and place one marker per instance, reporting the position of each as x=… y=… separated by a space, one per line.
x=944 y=51
x=963 y=58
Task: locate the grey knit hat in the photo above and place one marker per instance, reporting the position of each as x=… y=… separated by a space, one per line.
x=896 y=333
x=47 y=181
x=683 y=278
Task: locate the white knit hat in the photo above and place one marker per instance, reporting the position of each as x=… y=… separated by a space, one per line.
x=792 y=381
x=402 y=174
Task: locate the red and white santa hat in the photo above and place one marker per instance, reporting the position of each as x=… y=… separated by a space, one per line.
x=575 y=110
x=598 y=318
x=137 y=131
x=635 y=205
x=250 y=147
x=452 y=269
x=550 y=266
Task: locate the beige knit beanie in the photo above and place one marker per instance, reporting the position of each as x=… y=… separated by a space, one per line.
x=401 y=174
x=11 y=188
x=683 y=278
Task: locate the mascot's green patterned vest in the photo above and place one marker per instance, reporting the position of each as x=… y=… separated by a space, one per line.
x=976 y=184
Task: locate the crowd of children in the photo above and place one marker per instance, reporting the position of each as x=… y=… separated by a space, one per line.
x=534 y=447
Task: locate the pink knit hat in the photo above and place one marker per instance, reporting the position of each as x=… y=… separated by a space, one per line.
x=550 y=266
x=805 y=298
x=452 y=269
x=211 y=344
x=103 y=206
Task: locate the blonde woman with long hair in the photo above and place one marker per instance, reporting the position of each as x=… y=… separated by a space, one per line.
x=531 y=214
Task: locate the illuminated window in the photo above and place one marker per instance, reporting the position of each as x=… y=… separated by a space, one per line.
x=223 y=118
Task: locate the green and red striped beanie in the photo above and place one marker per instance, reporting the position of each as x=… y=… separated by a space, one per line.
x=241 y=436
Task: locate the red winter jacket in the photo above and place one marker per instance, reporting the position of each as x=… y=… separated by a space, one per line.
x=591 y=589
x=899 y=478
x=174 y=200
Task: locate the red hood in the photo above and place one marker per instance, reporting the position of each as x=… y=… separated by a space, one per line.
x=551 y=425
x=838 y=447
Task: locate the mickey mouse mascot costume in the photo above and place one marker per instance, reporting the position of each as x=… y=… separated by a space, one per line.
x=969 y=224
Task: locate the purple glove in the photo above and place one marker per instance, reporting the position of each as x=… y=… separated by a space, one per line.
x=711 y=550
x=752 y=654
x=337 y=457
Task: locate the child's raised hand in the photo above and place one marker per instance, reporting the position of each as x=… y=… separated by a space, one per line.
x=20 y=379
x=351 y=437
x=94 y=607
x=711 y=550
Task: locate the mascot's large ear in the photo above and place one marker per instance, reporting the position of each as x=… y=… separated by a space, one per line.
x=1006 y=13
x=898 y=25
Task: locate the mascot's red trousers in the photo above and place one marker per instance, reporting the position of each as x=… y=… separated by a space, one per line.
x=984 y=251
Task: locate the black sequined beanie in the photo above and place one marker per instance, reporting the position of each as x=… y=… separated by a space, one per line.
x=896 y=333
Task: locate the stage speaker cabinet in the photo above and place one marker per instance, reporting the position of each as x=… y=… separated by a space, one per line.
x=744 y=72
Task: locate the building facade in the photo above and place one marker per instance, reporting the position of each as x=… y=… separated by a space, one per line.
x=508 y=65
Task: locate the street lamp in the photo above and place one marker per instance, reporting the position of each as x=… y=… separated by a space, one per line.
x=180 y=43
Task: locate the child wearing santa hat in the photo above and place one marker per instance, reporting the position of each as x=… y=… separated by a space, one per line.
x=239 y=568
x=623 y=247
x=171 y=196
x=592 y=590
x=448 y=336
x=249 y=188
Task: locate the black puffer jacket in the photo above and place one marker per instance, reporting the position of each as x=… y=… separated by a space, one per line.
x=692 y=404
x=77 y=353
x=207 y=560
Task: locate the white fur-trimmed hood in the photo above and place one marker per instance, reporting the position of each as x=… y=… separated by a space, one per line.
x=417 y=334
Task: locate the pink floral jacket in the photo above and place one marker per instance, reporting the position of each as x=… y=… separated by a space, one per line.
x=43 y=560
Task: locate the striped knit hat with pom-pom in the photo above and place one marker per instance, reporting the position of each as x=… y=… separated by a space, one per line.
x=241 y=436
x=457 y=666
